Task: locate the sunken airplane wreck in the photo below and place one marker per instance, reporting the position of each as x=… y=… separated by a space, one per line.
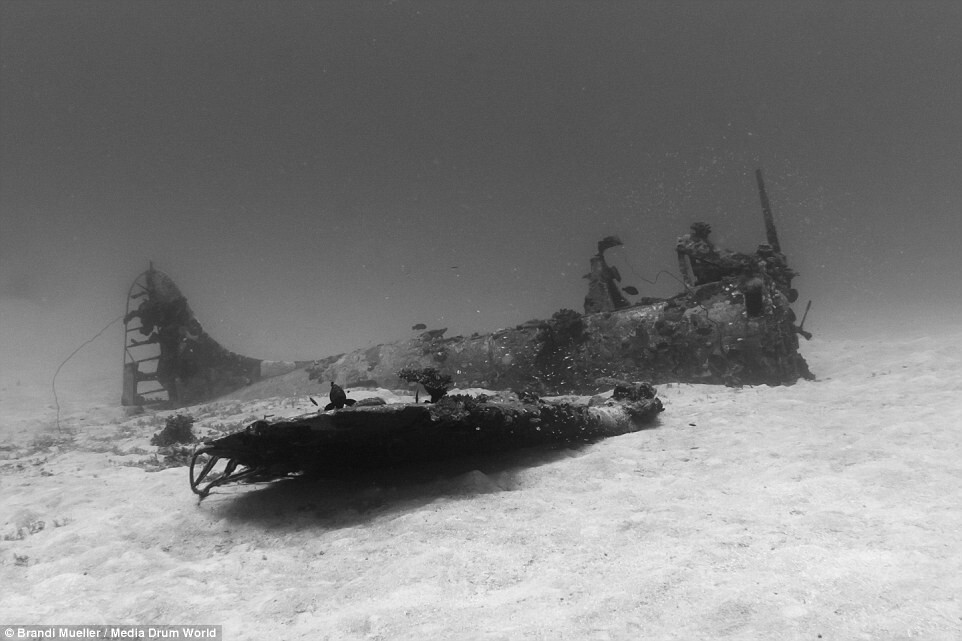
x=733 y=324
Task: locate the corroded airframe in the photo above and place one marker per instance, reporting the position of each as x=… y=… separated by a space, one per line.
x=733 y=324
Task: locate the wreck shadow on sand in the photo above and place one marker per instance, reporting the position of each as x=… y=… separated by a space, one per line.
x=349 y=500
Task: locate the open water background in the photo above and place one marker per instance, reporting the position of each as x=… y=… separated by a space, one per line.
x=322 y=176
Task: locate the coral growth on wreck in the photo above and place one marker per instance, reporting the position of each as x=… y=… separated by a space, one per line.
x=179 y=429
x=558 y=337
x=435 y=383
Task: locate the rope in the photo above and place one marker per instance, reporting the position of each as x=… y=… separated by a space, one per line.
x=53 y=381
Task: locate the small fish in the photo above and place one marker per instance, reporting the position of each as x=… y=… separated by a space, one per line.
x=432 y=334
x=630 y=290
x=419 y=326
x=338 y=398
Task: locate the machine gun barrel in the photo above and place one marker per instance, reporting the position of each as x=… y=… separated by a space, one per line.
x=767 y=213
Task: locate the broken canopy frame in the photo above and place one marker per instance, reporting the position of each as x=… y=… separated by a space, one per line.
x=371 y=437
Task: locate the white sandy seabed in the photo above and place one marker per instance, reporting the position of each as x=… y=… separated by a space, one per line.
x=829 y=509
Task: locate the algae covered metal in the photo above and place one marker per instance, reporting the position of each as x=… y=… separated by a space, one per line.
x=366 y=437
x=170 y=359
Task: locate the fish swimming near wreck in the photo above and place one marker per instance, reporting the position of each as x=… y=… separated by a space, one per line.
x=338 y=398
x=633 y=291
x=419 y=326
x=433 y=334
